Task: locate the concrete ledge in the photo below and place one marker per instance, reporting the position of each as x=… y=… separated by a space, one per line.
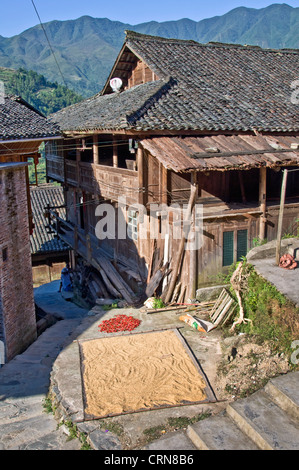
x=269 y=249
x=205 y=294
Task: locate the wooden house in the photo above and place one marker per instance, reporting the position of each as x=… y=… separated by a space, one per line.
x=48 y=252
x=22 y=130
x=211 y=125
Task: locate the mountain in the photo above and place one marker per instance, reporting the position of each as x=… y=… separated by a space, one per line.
x=87 y=47
x=45 y=96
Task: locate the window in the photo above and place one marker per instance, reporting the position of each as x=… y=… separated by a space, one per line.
x=132 y=225
x=234 y=246
x=228 y=248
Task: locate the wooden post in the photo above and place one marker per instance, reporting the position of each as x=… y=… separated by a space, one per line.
x=179 y=258
x=193 y=253
x=164 y=185
x=140 y=169
x=263 y=202
x=115 y=154
x=95 y=150
x=280 y=218
x=75 y=239
x=89 y=248
x=78 y=157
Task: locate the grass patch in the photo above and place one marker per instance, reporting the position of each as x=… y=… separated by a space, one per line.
x=112 y=426
x=172 y=424
x=48 y=405
x=273 y=317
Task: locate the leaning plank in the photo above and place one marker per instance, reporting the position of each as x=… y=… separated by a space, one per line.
x=154 y=283
x=180 y=254
x=101 y=286
x=107 y=282
x=223 y=312
x=225 y=301
x=218 y=303
x=229 y=314
x=116 y=279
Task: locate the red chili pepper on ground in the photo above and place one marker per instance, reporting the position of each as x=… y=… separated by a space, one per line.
x=119 y=323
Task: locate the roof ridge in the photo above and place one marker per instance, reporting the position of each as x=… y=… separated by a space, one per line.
x=131 y=35
x=19 y=99
x=164 y=88
x=135 y=35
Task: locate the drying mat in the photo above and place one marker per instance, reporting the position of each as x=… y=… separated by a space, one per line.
x=139 y=372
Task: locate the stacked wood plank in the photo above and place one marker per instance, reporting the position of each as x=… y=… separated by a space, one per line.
x=223 y=309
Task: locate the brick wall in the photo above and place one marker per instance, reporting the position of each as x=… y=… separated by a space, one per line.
x=16 y=288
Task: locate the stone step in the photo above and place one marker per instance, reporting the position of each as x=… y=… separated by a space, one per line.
x=219 y=433
x=17 y=410
x=173 y=441
x=53 y=441
x=19 y=433
x=262 y=420
x=284 y=391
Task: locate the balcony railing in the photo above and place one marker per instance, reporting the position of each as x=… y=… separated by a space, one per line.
x=106 y=181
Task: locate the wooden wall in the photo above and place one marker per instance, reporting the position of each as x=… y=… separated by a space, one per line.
x=141 y=73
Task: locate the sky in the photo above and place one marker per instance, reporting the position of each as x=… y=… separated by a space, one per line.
x=18 y=15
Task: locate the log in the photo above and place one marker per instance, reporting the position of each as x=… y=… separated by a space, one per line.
x=178 y=262
x=154 y=283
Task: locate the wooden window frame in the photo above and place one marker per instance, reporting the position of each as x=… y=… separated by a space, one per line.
x=235 y=244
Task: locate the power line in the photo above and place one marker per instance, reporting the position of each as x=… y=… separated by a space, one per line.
x=51 y=48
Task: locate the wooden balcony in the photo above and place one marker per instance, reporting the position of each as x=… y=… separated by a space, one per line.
x=55 y=167
x=106 y=181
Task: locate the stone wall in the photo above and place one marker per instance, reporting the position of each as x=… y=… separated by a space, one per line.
x=16 y=287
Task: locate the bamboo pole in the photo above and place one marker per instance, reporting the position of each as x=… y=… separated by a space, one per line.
x=280 y=218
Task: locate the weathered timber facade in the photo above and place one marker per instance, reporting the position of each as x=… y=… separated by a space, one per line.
x=184 y=120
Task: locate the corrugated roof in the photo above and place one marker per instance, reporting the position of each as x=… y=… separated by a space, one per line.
x=41 y=241
x=19 y=120
x=220 y=152
x=208 y=87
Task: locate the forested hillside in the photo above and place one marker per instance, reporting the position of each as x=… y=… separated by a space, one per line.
x=45 y=96
x=87 y=47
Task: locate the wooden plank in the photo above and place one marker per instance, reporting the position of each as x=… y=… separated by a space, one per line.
x=223 y=312
x=179 y=258
x=116 y=280
x=280 y=217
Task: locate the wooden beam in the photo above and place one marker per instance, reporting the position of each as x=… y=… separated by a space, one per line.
x=140 y=169
x=95 y=150
x=115 y=153
x=280 y=217
x=193 y=253
x=178 y=260
x=263 y=202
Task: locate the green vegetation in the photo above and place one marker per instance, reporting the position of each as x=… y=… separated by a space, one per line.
x=40 y=169
x=48 y=406
x=173 y=424
x=45 y=96
x=87 y=47
x=158 y=303
x=274 y=319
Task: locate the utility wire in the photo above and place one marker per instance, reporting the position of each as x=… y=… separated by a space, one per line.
x=51 y=48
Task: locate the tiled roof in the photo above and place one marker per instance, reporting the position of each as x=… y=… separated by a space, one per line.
x=207 y=87
x=223 y=152
x=19 y=120
x=41 y=241
x=119 y=110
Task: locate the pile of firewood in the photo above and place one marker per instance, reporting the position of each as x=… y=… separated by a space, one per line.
x=105 y=282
